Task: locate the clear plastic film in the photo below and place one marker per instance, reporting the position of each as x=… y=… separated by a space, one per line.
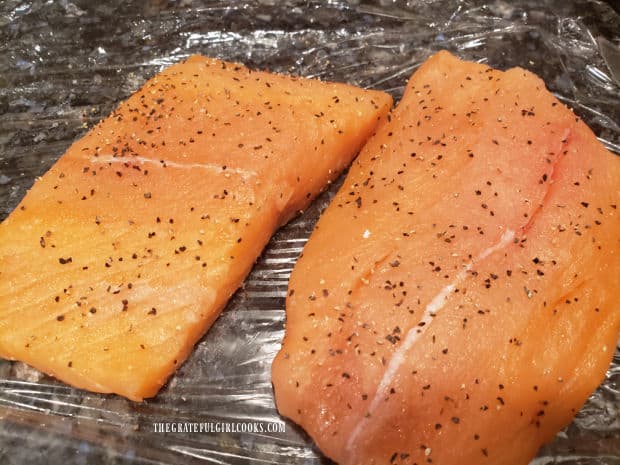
x=65 y=65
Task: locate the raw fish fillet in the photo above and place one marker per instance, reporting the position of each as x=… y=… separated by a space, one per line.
x=122 y=255
x=458 y=300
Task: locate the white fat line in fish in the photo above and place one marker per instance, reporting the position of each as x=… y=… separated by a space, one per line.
x=245 y=174
x=431 y=310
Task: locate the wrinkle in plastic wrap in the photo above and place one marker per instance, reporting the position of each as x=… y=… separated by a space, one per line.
x=64 y=65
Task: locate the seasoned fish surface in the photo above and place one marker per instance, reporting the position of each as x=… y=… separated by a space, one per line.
x=457 y=303
x=122 y=255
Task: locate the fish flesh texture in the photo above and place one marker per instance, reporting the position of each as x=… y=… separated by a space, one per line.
x=122 y=255
x=457 y=301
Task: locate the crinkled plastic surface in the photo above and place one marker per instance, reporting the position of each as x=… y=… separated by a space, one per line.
x=65 y=65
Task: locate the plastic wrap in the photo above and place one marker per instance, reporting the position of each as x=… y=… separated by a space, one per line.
x=65 y=65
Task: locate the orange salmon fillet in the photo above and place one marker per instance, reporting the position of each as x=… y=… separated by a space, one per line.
x=456 y=303
x=122 y=255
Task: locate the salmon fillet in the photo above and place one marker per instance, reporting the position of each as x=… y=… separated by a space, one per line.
x=456 y=303
x=123 y=254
